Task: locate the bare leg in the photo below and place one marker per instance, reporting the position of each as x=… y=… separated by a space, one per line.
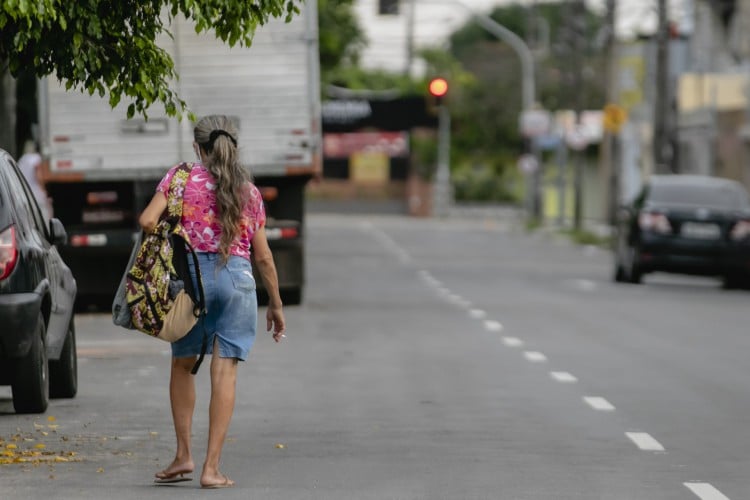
x=182 y=397
x=223 y=380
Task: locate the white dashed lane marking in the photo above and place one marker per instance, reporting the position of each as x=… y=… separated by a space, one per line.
x=493 y=326
x=512 y=341
x=564 y=377
x=388 y=243
x=535 y=356
x=705 y=491
x=645 y=441
x=598 y=403
x=477 y=314
x=642 y=440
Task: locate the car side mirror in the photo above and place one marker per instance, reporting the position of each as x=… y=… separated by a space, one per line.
x=58 y=235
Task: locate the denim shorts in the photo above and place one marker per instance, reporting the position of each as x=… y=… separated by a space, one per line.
x=231 y=309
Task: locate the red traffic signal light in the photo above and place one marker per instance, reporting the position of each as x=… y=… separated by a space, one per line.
x=438 y=87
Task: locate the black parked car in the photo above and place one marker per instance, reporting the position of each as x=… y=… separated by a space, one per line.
x=37 y=295
x=685 y=224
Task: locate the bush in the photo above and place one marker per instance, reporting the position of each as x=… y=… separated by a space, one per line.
x=483 y=184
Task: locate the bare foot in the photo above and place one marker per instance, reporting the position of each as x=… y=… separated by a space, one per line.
x=175 y=472
x=217 y=480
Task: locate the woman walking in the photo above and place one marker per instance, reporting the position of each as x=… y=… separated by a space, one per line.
x=224 y=217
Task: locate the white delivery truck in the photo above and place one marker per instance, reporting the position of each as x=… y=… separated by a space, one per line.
x=102 y=169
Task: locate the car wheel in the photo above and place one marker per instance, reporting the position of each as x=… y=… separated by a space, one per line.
x=636 y=274
x=733 y=281
x=31 y=375
x=63 y=373
x=619 y=275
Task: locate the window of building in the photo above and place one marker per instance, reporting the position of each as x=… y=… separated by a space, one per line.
x=388 y=7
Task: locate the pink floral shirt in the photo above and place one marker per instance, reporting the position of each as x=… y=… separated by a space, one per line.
x=200 y=213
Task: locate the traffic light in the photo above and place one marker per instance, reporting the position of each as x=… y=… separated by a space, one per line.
x=438 y=88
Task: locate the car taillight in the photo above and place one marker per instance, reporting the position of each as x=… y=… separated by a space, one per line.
x=8 y=252
x=654 y=221
x=741 y=230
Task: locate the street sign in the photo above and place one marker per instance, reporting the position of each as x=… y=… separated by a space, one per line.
x=535 y=122
x=576 y=138
x=547 y=142
x=615 y=117
x=528 y=164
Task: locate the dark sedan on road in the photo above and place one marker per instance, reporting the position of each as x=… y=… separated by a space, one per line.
x=685 y=224
x=37 y=293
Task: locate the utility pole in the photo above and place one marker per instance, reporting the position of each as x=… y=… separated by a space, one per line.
x=577 y=24
x=610 y=152
x=411 y=6
x=663 y=153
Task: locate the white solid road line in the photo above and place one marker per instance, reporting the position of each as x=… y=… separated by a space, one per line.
x=599 y=404
x=493 y=326
x=705 y=491
x=645 y=441
x=564 y=377
x=535 y=356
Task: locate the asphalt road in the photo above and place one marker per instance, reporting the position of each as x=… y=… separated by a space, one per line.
x=432 y=359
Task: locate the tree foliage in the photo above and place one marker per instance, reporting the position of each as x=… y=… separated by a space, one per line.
x=110 y=47
x=341 y=36
x=486 y=113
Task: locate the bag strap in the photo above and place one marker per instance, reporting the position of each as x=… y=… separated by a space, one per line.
x=201 y=313
x=174 y=210
x=176 y=213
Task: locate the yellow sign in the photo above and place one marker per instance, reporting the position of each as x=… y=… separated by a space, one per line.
x=614 y=117
x=369 y=167
x=631 y=77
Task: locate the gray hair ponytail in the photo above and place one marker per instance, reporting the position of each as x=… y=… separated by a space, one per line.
x=217 y=136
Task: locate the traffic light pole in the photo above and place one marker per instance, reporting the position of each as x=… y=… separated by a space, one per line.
x=443 y=194
x=442 y=182
x=518 y=45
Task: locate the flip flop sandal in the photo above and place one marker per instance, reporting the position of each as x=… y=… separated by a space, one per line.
x=228 y=483
x=177 y=477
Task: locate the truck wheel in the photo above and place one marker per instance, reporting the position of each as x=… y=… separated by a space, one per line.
x=63 y=373
x=31 y=375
